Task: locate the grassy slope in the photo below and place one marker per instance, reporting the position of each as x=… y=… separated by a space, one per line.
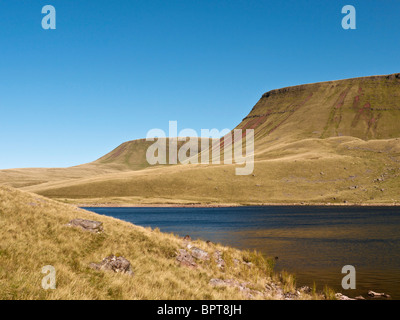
x=274 y=182
x=314 y=143
x=34 y=235
x=129 y=156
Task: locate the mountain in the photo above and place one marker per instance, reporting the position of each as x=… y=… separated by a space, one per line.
x=331 y=142
x=127 y=157
x=366 y=108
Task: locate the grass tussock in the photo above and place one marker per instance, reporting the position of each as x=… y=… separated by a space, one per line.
x=288 y=281
x=329 y=293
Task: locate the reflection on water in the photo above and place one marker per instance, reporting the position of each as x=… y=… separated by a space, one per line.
x=313 y=242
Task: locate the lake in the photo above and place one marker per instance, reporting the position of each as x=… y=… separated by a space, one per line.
x=312 y=242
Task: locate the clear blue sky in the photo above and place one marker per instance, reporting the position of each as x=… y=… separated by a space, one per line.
x=112 y=70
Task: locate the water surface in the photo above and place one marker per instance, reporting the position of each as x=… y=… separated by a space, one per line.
x=312 y=242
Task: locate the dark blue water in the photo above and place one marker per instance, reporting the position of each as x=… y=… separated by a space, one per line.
x=312 y=242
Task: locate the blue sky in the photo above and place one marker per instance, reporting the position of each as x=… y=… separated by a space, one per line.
x=113 y=70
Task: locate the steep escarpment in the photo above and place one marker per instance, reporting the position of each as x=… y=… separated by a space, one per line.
x=365 y=108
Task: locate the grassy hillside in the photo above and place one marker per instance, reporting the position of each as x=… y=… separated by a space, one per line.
x=34 y=234
x=365 y=108
x=333 y=142
x=129 y=156
x=332 y=171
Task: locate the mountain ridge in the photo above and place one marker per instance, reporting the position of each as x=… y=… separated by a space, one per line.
x=300 y=86
x=351 y=107
x=331 y=142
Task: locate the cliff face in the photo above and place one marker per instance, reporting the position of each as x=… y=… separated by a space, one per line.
x=366 y=108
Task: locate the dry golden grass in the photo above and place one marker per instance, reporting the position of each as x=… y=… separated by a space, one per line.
x=33 y=234
x=325 y=143
x=313 y=171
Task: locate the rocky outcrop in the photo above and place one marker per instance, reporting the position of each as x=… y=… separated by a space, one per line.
x=200 y=254
x=87 y=225
x=185 y=259
x=218 y=259
x=115 y=264
x=374 y=294
x=340 y=296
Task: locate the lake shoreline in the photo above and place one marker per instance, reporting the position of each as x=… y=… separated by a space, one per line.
x=227 y=205
x=313 y=243
x=305 y=240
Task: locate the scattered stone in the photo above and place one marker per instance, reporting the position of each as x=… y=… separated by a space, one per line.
x=290 y=296
x=378 y=295
x=185 y=259
x=305 y=289
x=218 y=259
x=268 y=287
x=87 y=225
x=322 y=173
x=274 y=291
x=115 y=264
x=200 y=254
x=340 y=296
x=242 y=286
